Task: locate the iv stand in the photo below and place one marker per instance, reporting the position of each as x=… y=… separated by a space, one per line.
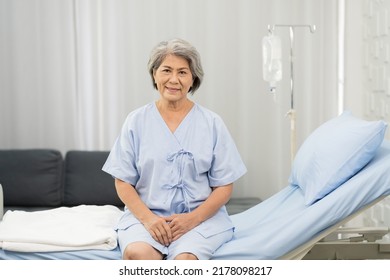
x=291 y=113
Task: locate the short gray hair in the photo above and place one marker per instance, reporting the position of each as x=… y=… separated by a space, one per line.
x=182 y=49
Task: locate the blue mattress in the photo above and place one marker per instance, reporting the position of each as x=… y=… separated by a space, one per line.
x=279 y=224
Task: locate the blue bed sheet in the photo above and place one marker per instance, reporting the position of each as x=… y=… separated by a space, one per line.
x=281 y=223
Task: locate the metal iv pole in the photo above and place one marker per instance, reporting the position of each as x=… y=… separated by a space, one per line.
x=291 y=113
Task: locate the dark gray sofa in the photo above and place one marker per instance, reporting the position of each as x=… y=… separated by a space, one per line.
x=37 y=179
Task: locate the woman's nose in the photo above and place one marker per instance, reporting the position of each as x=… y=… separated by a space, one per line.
x=173 y=78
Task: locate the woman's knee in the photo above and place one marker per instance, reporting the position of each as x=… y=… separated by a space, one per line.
x=186 y=256
x=141 y=251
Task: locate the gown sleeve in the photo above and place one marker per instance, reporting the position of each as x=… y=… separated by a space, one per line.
x=121 y=162
x=227 y=165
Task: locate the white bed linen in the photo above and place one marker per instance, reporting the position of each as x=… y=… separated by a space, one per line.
x=281 y=223
x=61 y=229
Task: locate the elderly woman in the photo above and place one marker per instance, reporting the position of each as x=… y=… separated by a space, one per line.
x=174 y=165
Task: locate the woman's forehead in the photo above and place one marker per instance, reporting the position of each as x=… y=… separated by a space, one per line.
x=175 y=61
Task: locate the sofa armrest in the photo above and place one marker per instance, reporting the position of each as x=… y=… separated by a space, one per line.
x=1 y=203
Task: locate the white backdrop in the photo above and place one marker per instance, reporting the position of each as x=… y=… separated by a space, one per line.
x=367 y=85
x=71 y=70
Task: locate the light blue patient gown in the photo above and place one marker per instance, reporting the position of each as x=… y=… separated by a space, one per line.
x=174 y=172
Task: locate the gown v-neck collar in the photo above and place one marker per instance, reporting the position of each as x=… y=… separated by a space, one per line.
x=181 y=125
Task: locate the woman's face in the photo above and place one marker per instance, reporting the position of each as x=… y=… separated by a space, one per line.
x=173 y=78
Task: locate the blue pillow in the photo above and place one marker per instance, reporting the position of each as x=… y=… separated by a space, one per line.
x=333 y=153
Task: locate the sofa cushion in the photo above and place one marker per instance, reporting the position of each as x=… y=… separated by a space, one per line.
x=85 y=182
x=31 y=177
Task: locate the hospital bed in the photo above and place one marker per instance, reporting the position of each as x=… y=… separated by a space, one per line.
x=283 y=226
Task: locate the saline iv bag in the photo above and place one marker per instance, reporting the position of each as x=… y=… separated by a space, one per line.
x=272 y=60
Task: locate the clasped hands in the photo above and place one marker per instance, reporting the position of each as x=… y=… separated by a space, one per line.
x=165 y=230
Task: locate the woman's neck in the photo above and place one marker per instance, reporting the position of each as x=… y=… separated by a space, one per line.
x=174 y=113
x=175 y=107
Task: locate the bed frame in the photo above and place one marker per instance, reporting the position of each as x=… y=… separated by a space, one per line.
x=318 y=248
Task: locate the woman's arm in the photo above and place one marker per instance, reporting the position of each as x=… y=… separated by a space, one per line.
x=155 y=225
x=182 y=223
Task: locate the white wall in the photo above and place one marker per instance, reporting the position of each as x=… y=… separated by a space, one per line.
x=367 y=59
x=367 y=82
x=70 y=71
x=353 y=83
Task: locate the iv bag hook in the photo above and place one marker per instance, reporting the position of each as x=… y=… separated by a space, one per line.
x=291 y=27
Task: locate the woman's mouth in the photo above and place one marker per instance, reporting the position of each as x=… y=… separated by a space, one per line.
x=173 y=90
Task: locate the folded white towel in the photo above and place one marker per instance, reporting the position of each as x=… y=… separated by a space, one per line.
x=82 y=227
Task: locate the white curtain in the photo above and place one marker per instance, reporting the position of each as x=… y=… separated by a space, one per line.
x=71 y=70
x=37 y=74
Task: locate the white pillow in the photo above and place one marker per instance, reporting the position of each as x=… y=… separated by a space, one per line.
x=333 y=153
